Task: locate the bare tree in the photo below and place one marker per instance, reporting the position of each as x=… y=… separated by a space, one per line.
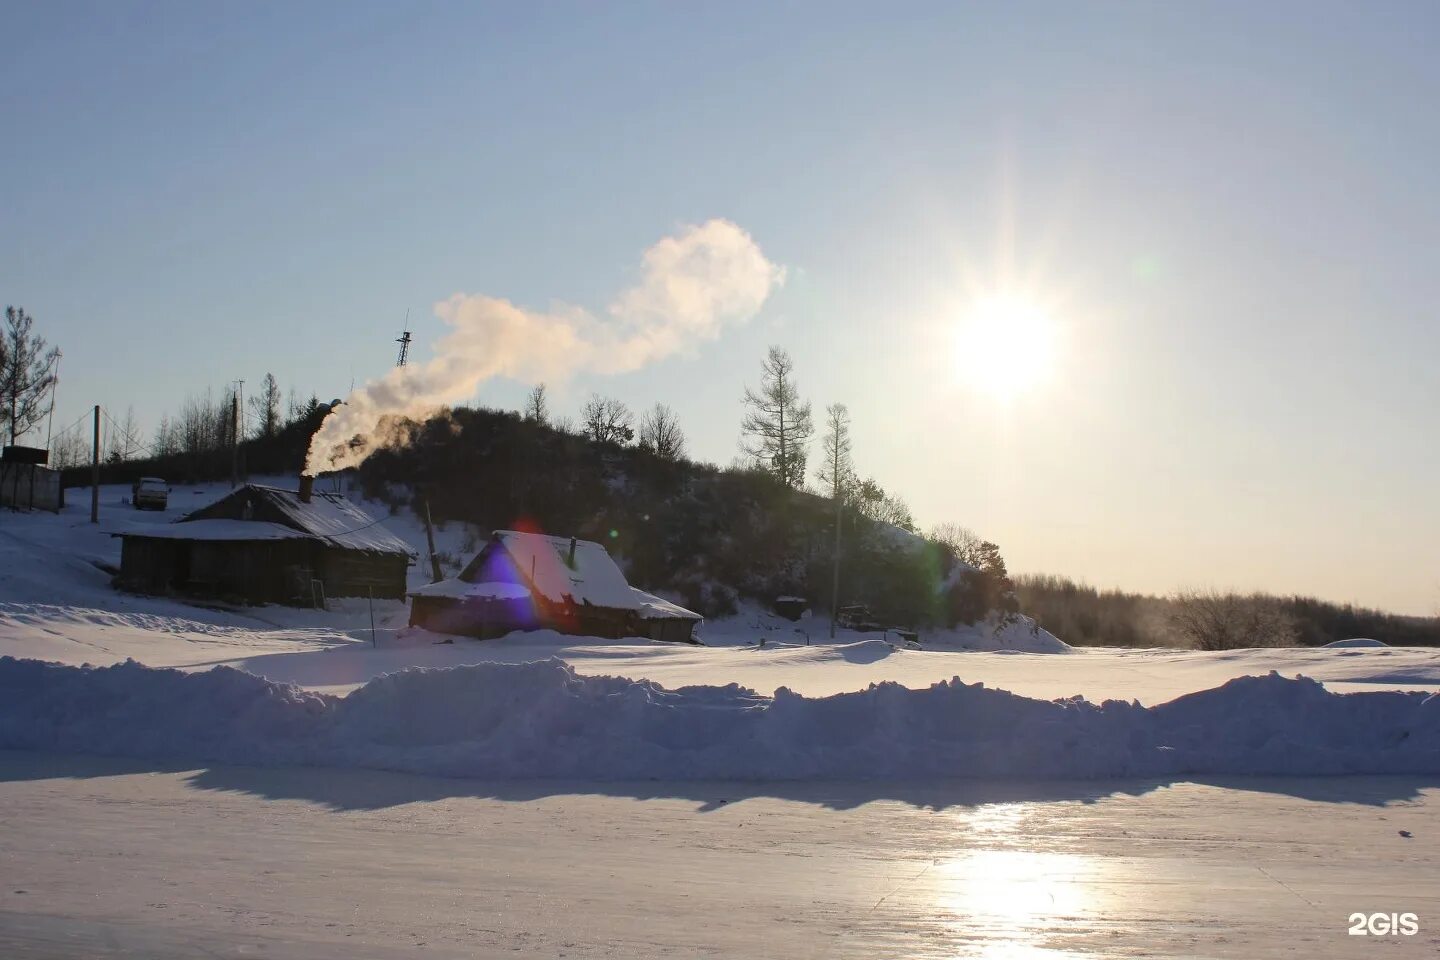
x=1229 y=621
x=130 y=427
x=167 y=439
x=660 y=433
x=27 y=374
x=70 y=449
x=265 y=407
x=202 y=424
x=537 y=408
x=962 y=541
x=873 y=502
x=120 y=438
x=777 y=423
x=607 y=420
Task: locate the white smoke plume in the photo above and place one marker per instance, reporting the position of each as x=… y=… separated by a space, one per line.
x=691 y=285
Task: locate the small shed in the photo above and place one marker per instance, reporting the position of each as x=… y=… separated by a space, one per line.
x=262 y=544
x=791 y=608
x=26 y=483
x=661 y=619
x=530 y=581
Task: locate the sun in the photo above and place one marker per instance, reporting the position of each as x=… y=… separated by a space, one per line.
x=1005 y=345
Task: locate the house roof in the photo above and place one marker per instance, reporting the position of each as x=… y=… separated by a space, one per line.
x=234 y=530
x=335 y=519
x=658 y=608
x=327 y=516
x=457 y=589
x=592 y=577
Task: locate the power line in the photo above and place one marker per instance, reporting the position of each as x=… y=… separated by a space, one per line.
x=129 y=437
x=82 y=418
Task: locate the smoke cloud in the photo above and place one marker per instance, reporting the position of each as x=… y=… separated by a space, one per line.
x=691 y=286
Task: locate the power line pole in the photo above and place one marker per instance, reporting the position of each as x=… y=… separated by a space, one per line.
x=835 y=580
x=54 y=386
x=404 y=341
x=435 y=573
x=239 y=420
x=234 y=439
x=95 y=471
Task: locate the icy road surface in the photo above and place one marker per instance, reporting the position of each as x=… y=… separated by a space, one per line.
x=110 y=858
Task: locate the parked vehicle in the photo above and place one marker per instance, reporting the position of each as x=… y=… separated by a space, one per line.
x=150 y=493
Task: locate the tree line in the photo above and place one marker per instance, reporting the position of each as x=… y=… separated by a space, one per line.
x=776 y=432
x=1207 y=619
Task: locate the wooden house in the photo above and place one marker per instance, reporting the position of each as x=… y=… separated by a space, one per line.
x=529 y=581
x=263 y=544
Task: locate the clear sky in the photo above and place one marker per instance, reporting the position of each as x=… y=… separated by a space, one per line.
x=1227 y=214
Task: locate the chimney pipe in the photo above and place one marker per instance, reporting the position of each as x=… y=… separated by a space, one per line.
x=572 y=553
x=307 y=484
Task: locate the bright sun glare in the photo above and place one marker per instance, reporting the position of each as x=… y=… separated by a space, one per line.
x=1006 y=346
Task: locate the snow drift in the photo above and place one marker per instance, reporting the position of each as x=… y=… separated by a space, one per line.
x=542 y=720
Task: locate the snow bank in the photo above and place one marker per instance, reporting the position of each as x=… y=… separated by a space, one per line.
x=541 y=719
x=1357 y=642
x=751 y=623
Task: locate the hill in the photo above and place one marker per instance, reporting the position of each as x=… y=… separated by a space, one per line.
x=714 y=537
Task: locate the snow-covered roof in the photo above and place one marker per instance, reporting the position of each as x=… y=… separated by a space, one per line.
x=332 y=517
x=591 y=578
x=658 y=608
x=458 y=589
x=237 y=530
x=327 y=516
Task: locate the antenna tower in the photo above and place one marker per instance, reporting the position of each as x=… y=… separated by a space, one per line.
x=404 y=341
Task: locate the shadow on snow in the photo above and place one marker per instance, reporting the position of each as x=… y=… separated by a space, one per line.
x=344 y=789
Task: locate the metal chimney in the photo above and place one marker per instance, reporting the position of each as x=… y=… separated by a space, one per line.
x=307 y=485
x=572 y=553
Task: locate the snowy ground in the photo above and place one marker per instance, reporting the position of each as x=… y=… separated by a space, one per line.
x=111 y=858
x=56 y=604
x=136 y=856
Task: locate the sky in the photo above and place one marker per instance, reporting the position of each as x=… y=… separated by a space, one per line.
x=1227 y=214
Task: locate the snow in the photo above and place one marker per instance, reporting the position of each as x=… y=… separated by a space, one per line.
x=334 y=518
x=458 y=589
x=859 y=810
x=1347 y=644
x=56 y=604
x=1017 y=634
x=134 y=859
x=543 y=719
x=210 y=530
x=592 y=578
x=658 y=608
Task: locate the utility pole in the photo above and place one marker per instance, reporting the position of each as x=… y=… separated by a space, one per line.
x=835 y=580
x=234 y=440
x=54 y=386
x=435 y=575
x=95 y=471
x=243 y=471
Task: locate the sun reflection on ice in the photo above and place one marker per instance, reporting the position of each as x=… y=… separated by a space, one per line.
x=1008 y=903
x=1015 y=904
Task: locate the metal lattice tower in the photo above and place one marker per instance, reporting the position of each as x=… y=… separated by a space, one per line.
x=404 y=341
